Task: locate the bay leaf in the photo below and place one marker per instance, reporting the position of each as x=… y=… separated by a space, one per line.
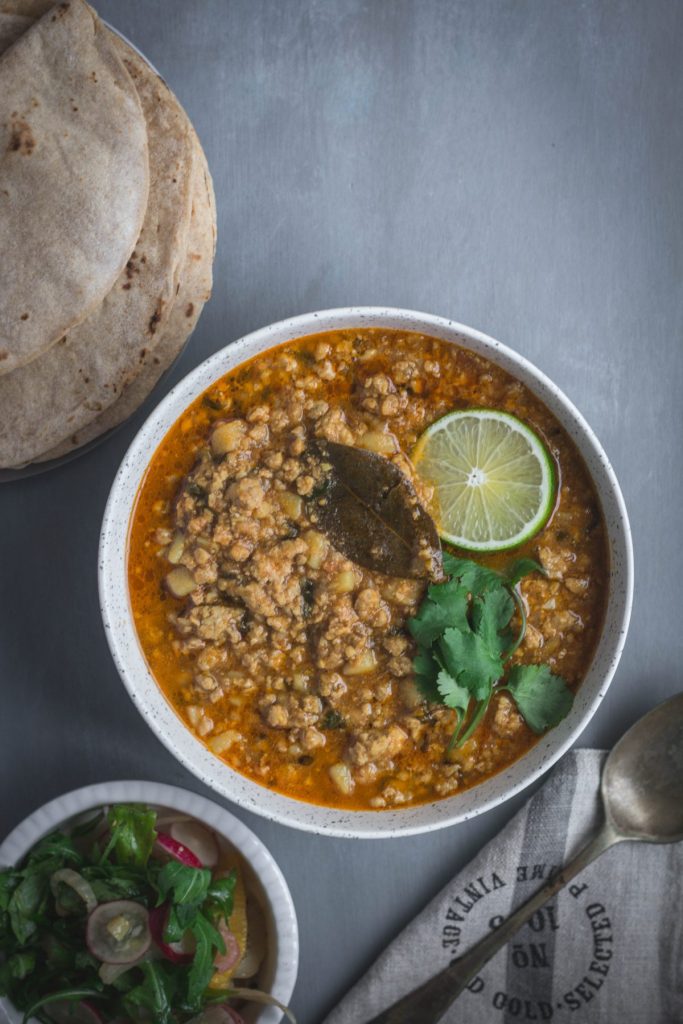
x=371 y=513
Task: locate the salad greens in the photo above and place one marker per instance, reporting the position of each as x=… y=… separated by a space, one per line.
x=465 y=640
x=75 y=914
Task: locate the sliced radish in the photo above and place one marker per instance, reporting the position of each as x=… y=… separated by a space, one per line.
x=177 y=952
x=79 y=1012
x=164 y=821
x=118 y=932
x=230 y=1016
x=198 y=839
x=80 y=885
x=168 y=847
x=218 y=1015
x=226 y=961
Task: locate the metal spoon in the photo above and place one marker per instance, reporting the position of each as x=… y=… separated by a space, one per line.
x=642 y=795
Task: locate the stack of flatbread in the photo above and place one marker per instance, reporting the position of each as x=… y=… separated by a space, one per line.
x=107 y=229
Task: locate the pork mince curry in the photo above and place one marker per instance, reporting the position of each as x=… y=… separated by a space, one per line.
x=295 y=605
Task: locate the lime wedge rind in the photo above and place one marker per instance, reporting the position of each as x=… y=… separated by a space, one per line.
x=493 y=476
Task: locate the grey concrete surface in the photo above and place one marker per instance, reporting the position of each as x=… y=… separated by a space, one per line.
x=512 y=164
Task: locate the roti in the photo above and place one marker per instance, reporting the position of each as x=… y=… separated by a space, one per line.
x=74 y=178
x=70 y=385
x=193 y=293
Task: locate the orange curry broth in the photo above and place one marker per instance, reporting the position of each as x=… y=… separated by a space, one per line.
x=468 y=380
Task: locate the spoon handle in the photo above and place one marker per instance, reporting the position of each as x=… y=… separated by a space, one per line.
x=430 y=1001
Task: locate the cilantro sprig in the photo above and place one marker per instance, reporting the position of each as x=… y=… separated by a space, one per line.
x=465 y=640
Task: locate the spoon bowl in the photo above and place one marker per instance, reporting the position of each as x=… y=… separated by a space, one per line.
x=642 y=782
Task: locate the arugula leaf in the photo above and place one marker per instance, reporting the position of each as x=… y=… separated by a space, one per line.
x=132 y=834
x=9 y=880
x=185 y=884
x=15 y=968
x=207 y=940
x=220 y=897
x=116 y=882
x=469 y=660
x=179 y=919
x=186 y=888
x=26 y=905
x=156 y=994
x=44 y=959
x=543 y=699
x=69 y=995
x=54 y=851
x=57 y=955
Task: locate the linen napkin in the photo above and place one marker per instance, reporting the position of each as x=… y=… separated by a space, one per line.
x=606 y=950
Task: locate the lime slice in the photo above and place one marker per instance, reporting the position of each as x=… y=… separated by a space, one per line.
x=494 y=478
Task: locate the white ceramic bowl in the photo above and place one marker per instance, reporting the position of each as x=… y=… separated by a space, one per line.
x=279 y=971
x=145 y=693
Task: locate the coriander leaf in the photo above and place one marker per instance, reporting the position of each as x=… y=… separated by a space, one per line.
x=221 y=894
x=491 y=614
x=474 y=577
x=207 y=940
x=460 y=738
x=543 y=699
x=426 y=669
x=156 y=994
x=453 y=695
x=132 y=834
x=520 y=568
x=446 y=605
x=469 y=660
x=183 y=883
x=464 y=635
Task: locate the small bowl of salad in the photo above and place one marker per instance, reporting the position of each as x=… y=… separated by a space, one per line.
x=137 y=902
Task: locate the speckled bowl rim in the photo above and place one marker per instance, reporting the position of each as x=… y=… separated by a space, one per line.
x=272 y=882
x=159 y=715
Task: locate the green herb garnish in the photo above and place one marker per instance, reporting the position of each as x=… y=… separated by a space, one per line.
x=132 y=834
x=465 y=640
x=333 y=720
x=307 y=597
x=48 y=956
x=212 y=403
